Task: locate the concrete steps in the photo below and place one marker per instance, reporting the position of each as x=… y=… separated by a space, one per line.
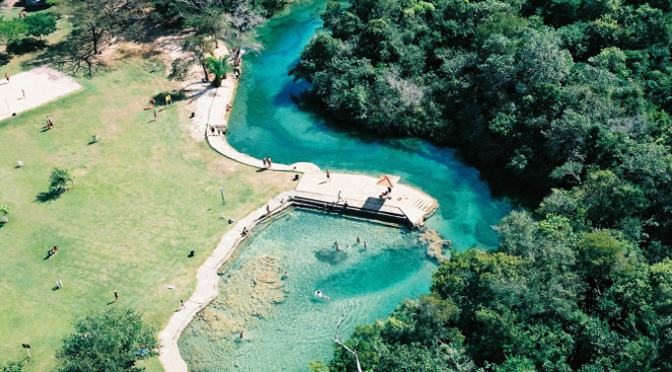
x=353 y=209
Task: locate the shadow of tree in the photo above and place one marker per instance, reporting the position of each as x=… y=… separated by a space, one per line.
x=74 y=55
x=45 y=197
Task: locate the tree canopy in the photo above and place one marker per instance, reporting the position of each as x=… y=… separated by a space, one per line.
x=114 y=340
x=570 y=101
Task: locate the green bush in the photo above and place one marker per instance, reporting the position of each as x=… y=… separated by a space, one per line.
x=40 y=24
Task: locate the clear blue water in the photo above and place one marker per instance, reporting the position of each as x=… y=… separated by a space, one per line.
x=364 y=284
x=265 y=121
x=285 y=326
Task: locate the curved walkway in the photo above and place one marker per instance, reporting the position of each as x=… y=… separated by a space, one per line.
x=356 y=191
x=221 y=99
x=207 y=281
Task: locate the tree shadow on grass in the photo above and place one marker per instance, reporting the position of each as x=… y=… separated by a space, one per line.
x=46 y=197
x=74 y=55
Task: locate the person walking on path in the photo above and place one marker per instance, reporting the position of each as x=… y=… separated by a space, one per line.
x=268 y=208
x=182 y=307
x=270 y=163
x=7 y=77
x=340 y=196
x=116 y=296
x=264 y=161
x=23 y=94
x=328 y=175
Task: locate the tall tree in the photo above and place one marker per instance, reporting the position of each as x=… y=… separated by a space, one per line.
x=103 y=19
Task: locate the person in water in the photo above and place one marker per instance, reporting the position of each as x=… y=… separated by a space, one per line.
x=285 y=275
x=319 y=294
x=242 y=336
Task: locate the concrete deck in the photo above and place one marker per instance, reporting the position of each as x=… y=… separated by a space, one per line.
x=361 y=191
x=41 y=85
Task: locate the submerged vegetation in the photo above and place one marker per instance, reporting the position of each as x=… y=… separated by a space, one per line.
x=569 y=99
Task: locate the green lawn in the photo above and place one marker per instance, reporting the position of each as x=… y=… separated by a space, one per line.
x=144 y=197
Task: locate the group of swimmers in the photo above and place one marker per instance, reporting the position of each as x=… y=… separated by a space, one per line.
x=338 y=247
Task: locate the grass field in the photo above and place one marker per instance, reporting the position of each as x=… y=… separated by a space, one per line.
x=144 y=196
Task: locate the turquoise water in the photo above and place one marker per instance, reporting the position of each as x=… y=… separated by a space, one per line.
x=364 y=284
x=265 y=121
x=285 y=325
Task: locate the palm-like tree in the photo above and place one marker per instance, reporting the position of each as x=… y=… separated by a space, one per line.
x=59 y=179
x=220 y=67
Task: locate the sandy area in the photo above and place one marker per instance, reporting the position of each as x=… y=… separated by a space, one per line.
x=33 y=88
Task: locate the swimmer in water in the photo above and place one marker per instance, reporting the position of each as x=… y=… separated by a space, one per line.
x=359 y=240
x=365 y=246
x=319 y=293
x=285 y=275
x=242 y=336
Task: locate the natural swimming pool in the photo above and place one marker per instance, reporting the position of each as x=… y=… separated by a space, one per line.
x=287 y=330
x=286 y=326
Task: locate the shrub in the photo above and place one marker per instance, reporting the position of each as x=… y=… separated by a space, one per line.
x=40 y=24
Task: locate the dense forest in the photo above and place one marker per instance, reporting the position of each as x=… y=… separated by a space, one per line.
x=569 y=97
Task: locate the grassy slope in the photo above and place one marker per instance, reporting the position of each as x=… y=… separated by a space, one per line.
x=144 y=197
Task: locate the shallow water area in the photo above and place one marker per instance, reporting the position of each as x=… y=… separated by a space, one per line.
x=285 y=324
